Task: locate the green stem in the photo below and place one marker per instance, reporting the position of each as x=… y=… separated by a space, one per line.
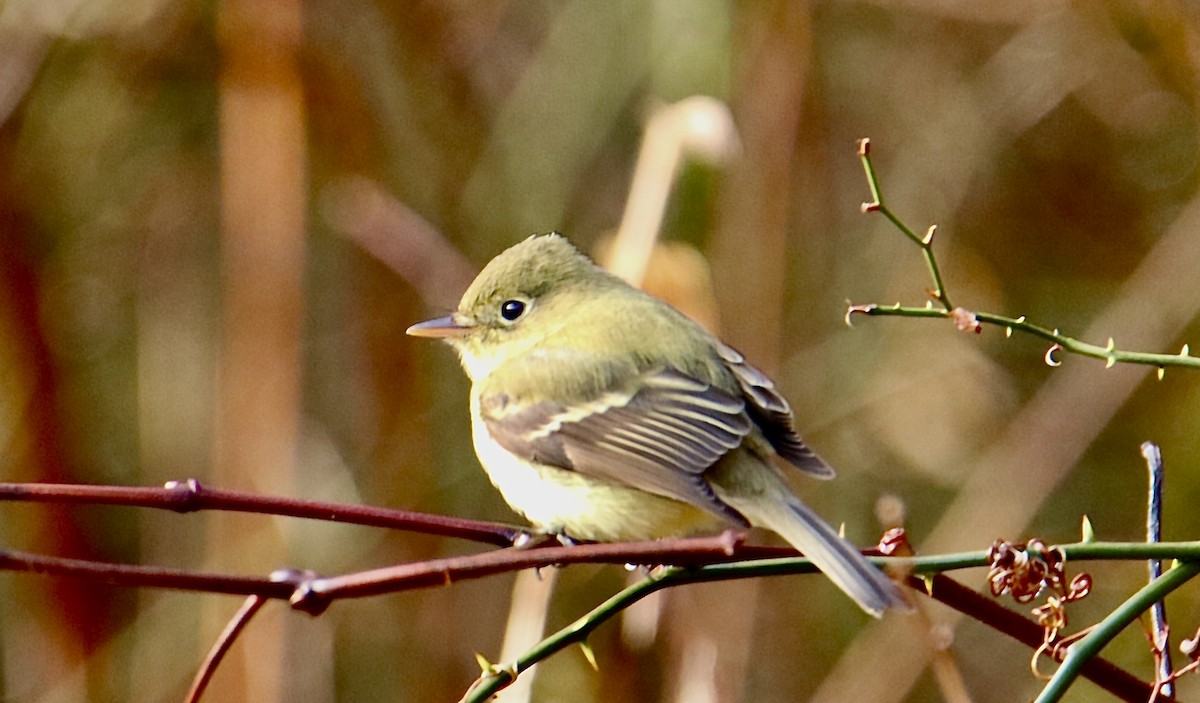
x=1112 y=551
x=1109 y=627
x=499 y=677
x=1108 y=353
x=926 y=242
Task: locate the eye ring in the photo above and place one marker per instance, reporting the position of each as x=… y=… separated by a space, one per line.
x=512 y=310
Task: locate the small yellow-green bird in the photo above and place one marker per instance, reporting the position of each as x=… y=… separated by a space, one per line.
x=602 y=413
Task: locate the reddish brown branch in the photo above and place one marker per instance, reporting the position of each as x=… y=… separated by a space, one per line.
x=142 y=576
x=312 y=593
x=189 y=496
x=215 y=655
x=440 y=572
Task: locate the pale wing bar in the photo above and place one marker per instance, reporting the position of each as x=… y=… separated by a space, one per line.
x=661 y=438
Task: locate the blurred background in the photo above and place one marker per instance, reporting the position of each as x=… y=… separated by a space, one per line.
x=218 y=218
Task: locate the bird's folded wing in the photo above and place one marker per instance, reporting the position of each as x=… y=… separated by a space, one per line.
x=660 y=436
x=771 y=412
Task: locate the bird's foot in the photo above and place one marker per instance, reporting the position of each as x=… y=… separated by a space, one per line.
x=534 y=540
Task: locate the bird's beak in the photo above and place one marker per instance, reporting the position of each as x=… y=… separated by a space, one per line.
x=449 y=326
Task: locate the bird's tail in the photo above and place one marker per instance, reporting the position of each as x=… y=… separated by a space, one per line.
x=772 y=505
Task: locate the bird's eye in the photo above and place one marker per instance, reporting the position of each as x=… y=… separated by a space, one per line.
x=512 y=309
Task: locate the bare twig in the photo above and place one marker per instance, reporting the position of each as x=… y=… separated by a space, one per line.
x=1160 y=632
x=215 y=655
x=969 y=320
x=190 y=496
x=137 y=576
x=314 y=593
x=689 y=560
x=925 y=243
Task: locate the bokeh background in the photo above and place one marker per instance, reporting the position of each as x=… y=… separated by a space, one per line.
x=217 y=219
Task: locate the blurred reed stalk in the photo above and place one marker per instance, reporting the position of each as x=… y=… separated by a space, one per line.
x=264 y=193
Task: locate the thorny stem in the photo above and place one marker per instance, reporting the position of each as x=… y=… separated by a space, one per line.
x=988 y=611
x=1060 y=342
x=1109 y=627
x=498 y=677
x=1108 y=353
x=926 y=242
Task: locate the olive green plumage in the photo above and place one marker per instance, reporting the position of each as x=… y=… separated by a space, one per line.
x=602 y=412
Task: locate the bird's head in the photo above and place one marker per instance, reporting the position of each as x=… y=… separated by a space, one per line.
x=527 y=294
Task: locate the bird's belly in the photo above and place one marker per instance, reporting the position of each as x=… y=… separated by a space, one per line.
x=559 y=500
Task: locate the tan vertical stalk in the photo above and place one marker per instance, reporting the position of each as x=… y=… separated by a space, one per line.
x=747 y=252
x=263 y=205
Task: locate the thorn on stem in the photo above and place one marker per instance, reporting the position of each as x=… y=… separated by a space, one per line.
x=864 y=147
x=860 y=309
x=928 y=240
x=590 y=655
x=871 y=207
x=485 y=667
x=1049 y=357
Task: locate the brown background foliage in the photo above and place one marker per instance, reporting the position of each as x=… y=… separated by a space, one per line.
x=190 y=191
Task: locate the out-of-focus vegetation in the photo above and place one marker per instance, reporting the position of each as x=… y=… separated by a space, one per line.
x=195 y=200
